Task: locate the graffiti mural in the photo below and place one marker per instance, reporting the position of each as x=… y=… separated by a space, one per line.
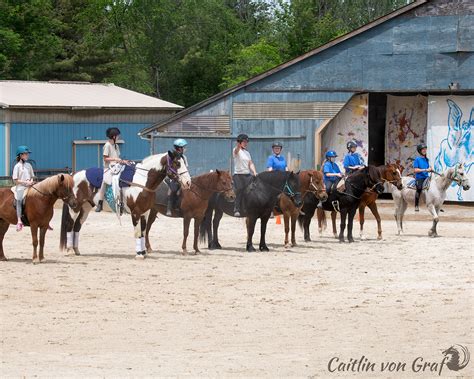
x=350 y=124
x=405 y=127
x=450 y=126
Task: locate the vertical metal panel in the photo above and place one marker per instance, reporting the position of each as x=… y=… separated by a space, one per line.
x=52 y=143
x=88 y=156
x=2 y=150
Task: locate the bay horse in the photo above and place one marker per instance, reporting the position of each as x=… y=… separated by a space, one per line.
x=433 y=197
x=38 y=209
x=311 y=184
x=346 y=202
x=390 y=174
x=193 y=203
x=138 y=198
x=259 y=199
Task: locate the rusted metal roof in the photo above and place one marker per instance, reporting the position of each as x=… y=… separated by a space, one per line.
x=75 y=95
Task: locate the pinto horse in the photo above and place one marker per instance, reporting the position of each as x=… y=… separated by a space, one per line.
x=259 y=199
x=346 y=202
x=391 y=174
x=138 y=198
x=38 y=209
x=311 y=184
x=193 y=203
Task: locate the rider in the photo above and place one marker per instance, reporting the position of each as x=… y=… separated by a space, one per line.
x=352 y=161
x=111 y=156
x=331 y=170
x=276 y=162
x=421 y=167
x=243 y=168
x=23 y=177
x=173 y=185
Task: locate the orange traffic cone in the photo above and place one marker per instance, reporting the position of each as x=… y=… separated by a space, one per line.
x=278 y=220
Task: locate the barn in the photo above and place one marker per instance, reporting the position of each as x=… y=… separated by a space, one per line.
x=64 y=123
x=405 y=78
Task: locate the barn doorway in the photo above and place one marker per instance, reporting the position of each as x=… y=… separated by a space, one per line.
x=377 y=121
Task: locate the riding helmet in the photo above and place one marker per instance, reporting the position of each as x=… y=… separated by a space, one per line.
x=22 y=149
x=180 y=142
x=351 y=144
x=331 y=154
x=420 y=147
x=277 y=144
x=112 y=132
x=242 y=137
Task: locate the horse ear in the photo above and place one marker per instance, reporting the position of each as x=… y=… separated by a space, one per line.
x=218 y=172
x=61 y=178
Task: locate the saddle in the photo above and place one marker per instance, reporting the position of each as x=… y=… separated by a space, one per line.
x=412 y=184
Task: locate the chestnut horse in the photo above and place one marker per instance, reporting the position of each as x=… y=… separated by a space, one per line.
x=138 y=198
x=311 y=184
x=193 y=203
x=390 y=173
x=38 y=209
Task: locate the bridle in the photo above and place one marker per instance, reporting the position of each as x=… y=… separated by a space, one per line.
x=64 y=198
x=171 y=172
x=315 y=189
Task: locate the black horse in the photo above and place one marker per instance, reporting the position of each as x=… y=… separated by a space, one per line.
x=259 y=199
x=346 y=202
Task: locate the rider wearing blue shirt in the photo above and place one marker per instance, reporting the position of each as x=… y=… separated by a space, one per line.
x=276 y=162
x=352 y=161
x=331 y=170
x=422 y=169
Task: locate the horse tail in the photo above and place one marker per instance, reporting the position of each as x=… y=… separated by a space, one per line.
x=301 y=221
x=322 y=218
x=205 y=225
x=64 y=224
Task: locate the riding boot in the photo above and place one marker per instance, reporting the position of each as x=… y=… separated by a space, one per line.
x=169 y=206
x=100 y=205
x=417 y=201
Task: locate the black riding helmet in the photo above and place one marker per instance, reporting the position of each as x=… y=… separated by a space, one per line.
x=350 y=145
x=242 y=137
x=112 y=132
x=420 y=147
x=277 y=144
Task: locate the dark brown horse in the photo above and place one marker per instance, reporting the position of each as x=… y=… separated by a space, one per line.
x=193 y=203
x=311 y=184
x=38 y=209
x=390 y=173
x=138 y=198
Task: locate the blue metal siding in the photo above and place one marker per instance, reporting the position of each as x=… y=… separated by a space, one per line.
x=52 y=143
x=3 y=146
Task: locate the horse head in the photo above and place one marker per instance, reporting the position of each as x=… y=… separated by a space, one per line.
x=224 y=185
x=65 y=190
x=456 y=174
x=291 y=188
x=392 y=174
x=176 y=169
x=316 y=185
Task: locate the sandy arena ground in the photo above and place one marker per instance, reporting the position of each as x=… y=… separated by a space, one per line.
x=229 y=313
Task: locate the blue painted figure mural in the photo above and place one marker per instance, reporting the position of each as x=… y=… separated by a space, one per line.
x=458 y=146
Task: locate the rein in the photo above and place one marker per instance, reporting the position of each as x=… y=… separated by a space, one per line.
x=64 y=198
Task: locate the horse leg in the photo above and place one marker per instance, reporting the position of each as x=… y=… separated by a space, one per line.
x=334 y=227
x=3 y=229
x=350 y=224
x=215 y=226
x=286 y=219
x=34 y=238
x=197 y=224
x=343 y=225
x=186 y=222
x=263 y=230
x=362 y=220
x=432 y=232
x=41 y=243
x=306 y=224
x=403 y=208
x=151 y=220
x=373 y=208
x=137 y=225
x=251 y=221
x=294 y=217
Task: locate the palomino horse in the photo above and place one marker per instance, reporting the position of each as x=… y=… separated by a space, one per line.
x=344 y=202
x=433 y=197
x=311 y=184
x=38 y=209
x=389 y=173
x=138 y=198
x=193 y=203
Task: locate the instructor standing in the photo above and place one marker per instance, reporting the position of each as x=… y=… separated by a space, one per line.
x=243 y=169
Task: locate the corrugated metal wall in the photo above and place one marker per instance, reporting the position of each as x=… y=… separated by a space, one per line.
x=52 y=143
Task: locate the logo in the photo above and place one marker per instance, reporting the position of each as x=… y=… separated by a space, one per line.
x=458 y=357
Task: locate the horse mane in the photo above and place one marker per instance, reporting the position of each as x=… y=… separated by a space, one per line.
x=50 y=185
x=204 y=179
x=374 y=173
x=150 y=160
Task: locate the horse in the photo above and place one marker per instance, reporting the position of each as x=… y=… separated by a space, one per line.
x=193 y=203
x=259 y=199
x=390 y=173
x=433 y=197
x=138 y=198
x=38 y=209
x=311 y=184
x=346 y=202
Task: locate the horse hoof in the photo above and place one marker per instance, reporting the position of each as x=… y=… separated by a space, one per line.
x=70 y=251
x=293 y=244
x=140 y=255
x=263 y=248
x=184 y=252
x=36 y=261
x=251 y=249
x=218 y=246
x=379 y=238
x=197 y=251
x=3 y=259
x=76 y=251
x=307 y=239
x=350 y=240
x=149 y=250
x=362 y=237
x=287 y=246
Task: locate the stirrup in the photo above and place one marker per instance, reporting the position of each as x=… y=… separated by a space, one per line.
x=335 y=205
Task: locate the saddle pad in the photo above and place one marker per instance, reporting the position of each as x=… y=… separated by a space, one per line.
x=95 y=176
x=412 y=184
x=127 y=176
